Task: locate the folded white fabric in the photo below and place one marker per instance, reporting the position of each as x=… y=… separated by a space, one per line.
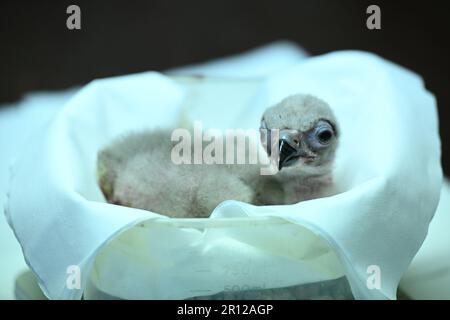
x=388 y=168
x=17 y=122
x=428 y=276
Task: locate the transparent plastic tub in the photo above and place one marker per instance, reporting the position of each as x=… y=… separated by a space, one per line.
x=216 y=259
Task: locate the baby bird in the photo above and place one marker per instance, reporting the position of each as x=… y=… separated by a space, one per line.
x=137 y=169
x=308 y=139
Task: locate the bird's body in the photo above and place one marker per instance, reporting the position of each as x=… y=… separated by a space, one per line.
x=137 y=170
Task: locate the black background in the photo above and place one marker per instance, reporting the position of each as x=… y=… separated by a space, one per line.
x=37 y=51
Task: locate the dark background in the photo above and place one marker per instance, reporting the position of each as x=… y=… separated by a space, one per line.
x=37 y=51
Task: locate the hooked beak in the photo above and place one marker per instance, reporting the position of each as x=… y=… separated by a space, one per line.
x=289 y=150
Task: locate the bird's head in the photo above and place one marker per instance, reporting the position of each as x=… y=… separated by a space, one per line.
x=308 y=133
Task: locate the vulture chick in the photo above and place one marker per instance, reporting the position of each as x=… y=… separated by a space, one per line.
x=137 y=171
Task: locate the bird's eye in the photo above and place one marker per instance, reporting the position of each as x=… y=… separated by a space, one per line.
x=324 y=135
x=321 y=135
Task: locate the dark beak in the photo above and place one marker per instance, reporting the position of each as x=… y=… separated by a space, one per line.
x=290 y=149
x=287 y=154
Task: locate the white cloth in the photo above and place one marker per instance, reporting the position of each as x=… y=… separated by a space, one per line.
x=388 y=166
x=17 y=122
x=428 y=276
